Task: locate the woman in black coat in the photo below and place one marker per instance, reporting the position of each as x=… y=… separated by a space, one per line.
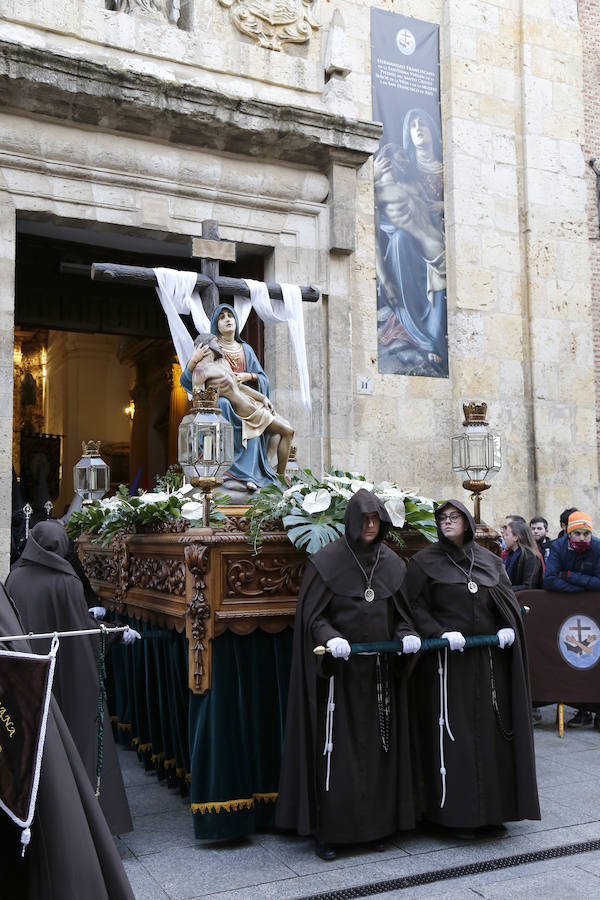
x=522 y=562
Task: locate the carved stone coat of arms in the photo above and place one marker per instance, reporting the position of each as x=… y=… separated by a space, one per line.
x=273 y=23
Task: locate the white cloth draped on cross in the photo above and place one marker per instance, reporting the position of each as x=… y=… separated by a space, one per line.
x=179 y=296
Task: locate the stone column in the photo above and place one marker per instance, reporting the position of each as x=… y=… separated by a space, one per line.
x=7 y=293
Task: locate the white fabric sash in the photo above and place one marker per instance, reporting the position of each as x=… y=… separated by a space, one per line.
x=273 y=311
x=179 y=296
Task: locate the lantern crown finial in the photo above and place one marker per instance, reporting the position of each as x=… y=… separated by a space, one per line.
x=90 y=448
x=475 y=413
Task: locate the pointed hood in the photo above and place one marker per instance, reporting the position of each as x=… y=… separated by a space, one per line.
x=47 y=545
x=361 y=504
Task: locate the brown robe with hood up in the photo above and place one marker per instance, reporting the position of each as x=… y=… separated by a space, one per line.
x=490 y=764
x=49 y=596
x=370 y=794
x=71 y=853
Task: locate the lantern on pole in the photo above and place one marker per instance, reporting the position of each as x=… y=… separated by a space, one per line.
x=476 y=453
x=91 y=475
x=205 y=445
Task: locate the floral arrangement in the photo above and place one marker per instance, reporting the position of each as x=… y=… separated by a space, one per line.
x=312 y=511
x=105 y=518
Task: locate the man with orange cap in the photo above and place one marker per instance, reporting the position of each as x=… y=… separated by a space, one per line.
x=573 y=564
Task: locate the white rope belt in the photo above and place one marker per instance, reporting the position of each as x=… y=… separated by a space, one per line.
x=443 y=720
x=328 y=748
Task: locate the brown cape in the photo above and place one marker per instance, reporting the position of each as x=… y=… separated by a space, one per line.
x=370 y=794
x=490 y=764
x=49 y=596
x=71 y=852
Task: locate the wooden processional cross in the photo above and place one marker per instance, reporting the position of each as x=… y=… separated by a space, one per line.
x=210 y=284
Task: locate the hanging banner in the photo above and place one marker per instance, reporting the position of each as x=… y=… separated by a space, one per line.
x=409 y=197
x=25 y=688
x=563 y=644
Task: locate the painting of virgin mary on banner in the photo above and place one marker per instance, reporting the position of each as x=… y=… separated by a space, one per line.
x=409 y=198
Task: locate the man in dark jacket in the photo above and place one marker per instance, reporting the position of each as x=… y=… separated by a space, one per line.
x=539 y=529
x=573 y=565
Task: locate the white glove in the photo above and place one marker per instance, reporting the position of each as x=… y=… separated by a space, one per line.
x=455 y=639
x=130 y=636
x=340 y=648
x=98 y=612
x=411 y=643
x=506 y=637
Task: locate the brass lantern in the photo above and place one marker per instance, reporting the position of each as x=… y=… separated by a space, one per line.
x=91 y=475
x=476 y=453
x=205 y=445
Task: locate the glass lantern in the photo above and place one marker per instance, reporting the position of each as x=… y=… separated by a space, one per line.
x=91 y=475
x=476 y=453
x=205 y=444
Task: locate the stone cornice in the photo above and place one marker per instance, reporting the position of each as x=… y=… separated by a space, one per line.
x=86 y=93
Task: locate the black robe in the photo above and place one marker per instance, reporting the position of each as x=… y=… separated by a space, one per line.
x=370 y=793
x=71 y=852
x=49 y=596
x=490 y=765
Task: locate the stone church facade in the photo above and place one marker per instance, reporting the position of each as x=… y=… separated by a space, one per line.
x=148 y=117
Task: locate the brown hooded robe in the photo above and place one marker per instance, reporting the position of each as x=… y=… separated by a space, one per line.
x=370 y=794
x=49 y=596
x=71 y=852
x=490 y=765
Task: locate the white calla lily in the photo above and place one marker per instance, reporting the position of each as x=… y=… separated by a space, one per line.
x=317 y=501
x=361 y=486
x=154 y=497
x=192 y=510
x=395 y=510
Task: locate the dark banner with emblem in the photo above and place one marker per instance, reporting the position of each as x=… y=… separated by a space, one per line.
x=408 y=169
x=563 y=642
x=25 y=686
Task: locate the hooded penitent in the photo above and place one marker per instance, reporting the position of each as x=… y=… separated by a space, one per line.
x=49 y=596
x=71 y=852
x=368 y=792
x=484 y=744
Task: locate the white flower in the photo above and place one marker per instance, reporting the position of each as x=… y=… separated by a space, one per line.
x=183 y=490
x=192 y=510
x=339 y=479
x=395 y=510
x=341 y=492
x=151 y=497
x=294 y=488
x=317 y=501
x=361 y=486
x=111 y=502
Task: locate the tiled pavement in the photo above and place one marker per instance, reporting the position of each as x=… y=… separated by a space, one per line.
x=164 y=862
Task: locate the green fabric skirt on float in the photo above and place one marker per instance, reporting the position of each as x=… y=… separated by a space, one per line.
x=236 y=734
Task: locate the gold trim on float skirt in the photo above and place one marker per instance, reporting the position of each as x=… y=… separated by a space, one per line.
x=124 y=726
x=233 y=805
x=188 y=776
x=135 y=741
x=157 y=757
x=114 y=719
x=169 y=763
x=145 y=747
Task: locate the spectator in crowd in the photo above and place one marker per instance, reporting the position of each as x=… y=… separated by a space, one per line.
x=505 y=524
x=574 y=565
x=523 y=562
x=564 y=518
x=539 y=529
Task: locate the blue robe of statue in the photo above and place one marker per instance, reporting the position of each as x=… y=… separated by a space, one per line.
x=425 y=322
x=251 y=462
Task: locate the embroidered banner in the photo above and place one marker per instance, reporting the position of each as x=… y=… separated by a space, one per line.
x=410 y=242
x=25 y=688
x=563 y=642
